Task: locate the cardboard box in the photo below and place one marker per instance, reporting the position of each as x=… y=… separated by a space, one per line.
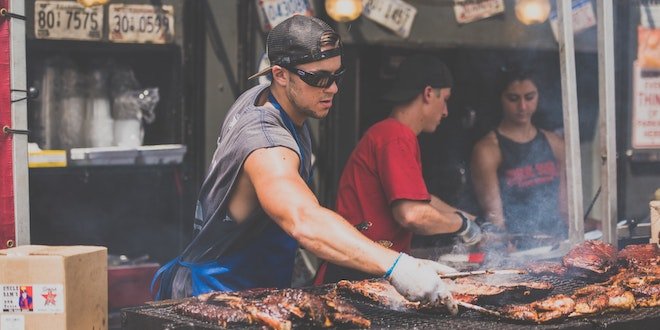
x=54 y=287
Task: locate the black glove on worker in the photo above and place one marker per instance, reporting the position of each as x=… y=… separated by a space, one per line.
x=469 y=233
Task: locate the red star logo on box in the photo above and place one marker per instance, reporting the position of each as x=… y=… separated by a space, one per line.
x=50 y=297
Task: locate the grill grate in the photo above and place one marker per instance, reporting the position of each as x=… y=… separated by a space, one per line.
x=162 y=316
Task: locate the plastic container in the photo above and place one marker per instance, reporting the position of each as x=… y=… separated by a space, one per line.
x=103 y=156
x=161 y=154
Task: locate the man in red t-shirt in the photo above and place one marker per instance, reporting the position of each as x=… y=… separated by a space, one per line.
x=381 y=190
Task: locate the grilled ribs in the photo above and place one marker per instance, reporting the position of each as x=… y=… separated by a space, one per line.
x=344 y=313
x=464 y=289
x=591 y=258
x=220 y=315
x=276 y=309
x=640 y=254
x=379 y=291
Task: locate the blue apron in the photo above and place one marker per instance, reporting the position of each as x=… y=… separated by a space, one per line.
x=266 y=261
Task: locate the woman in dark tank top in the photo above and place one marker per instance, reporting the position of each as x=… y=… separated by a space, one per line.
x=518 y=168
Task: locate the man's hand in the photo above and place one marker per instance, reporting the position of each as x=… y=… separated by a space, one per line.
x=418 y=280
x=492 y=231
x=470 y=233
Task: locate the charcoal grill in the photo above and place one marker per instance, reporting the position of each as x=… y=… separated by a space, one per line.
x=161 y=316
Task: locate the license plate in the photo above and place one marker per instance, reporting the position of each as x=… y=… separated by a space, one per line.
x=582 y=14
x=141 y=23
x=470 y=10
x=395 y=15
x=67 y=20
x=273 y=12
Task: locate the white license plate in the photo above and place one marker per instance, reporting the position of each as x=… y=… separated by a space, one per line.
x=67 y=20
x=395 y=15
x=470 y=10
x=273 y=12
x=141 y=23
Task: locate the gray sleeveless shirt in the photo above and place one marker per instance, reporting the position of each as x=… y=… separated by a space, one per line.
x=246 y=128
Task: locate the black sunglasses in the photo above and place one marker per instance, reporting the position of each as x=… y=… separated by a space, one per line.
x=322 y=79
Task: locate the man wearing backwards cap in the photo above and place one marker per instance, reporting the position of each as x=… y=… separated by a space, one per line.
x=381 y=190
x=255 y=206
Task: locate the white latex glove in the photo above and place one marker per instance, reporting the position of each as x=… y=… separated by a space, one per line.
x=418 y=280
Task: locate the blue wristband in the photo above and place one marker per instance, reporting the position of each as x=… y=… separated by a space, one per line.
x=389 y=271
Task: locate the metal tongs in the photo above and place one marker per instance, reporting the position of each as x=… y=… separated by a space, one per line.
x=479 y=309
x=484 y=272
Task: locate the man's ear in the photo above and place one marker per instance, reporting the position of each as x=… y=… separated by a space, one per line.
x=279 y=75
x=428 y=93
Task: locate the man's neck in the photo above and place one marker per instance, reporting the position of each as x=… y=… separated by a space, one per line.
x=408 y=117
x=296 y=117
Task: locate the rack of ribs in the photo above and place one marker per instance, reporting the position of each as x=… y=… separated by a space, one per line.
x=216 y=314
x=467 y=290
x=591 y=258
x=379 y=291
x=276 y=309
x=640 y=254
x=344 y=313
x=641 y=259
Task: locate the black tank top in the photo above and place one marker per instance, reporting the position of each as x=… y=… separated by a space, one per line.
x=529 y=187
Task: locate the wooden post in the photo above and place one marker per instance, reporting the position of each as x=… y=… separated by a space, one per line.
x=571 y=127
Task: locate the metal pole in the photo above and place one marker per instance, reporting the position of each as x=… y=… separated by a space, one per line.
x=607 y=119
x=571 y=127
x=19 y=121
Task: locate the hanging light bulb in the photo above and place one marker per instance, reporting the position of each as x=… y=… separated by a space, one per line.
x=532 y=11
x=89 y=3
x=343 y=10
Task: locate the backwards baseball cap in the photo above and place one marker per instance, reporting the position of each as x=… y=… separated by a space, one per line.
x=414 y=74
x=298 y=40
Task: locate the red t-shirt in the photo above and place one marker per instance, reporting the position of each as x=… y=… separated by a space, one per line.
x=384 y=167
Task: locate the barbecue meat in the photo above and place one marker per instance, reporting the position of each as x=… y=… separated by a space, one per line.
x=494 y=290
x=527 y=285
x=640 y=254
x=646 y=289
x=216 y=314
x=546 y=268
x=344 y=313
x=551 y=308
x=596 y=298
x=464 y=289
x=647 y=300
x=591 y=258
x=276 y=309
x=467 y=286
x=379 y=291
x=643 y=285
